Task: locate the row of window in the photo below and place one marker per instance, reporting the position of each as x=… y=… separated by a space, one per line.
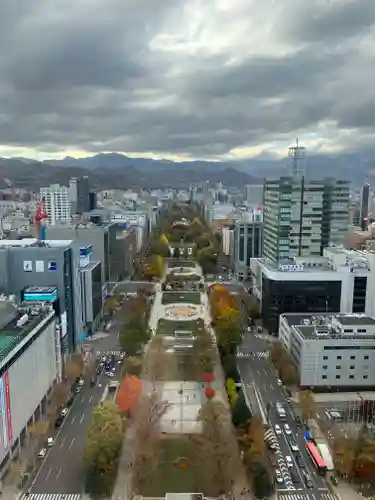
x=351 y=377
x=351 y=357
x=351 y=367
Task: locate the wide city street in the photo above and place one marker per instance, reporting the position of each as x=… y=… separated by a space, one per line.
x=255 y=367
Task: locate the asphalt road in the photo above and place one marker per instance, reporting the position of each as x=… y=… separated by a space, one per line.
x=62 y=471
x=256 y=367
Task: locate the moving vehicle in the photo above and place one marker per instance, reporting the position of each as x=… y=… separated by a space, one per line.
x=289 y=461
x=294 y=477
x=277 y=429
x=64 y=412
x=110 y=374
x=308 y=480
x=81 y=382
x=287 y=430
x=279 y=382
x=50 y=442
x=280 y=410
x=300 y=462
x=316 y=458
x=59 y=421
x=42 y=453
x=294 y=447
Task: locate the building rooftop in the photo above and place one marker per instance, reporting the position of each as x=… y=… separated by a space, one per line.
x=17 y=322
x=332 y=326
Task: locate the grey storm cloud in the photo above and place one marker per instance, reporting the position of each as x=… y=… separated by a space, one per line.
x=88 y=75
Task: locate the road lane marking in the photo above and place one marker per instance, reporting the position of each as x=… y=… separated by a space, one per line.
x=62 y=443
x=90 y=399
x=73 y=418
x=48 y=474
x=83 y=416
x=72 y=443
x=58 y=474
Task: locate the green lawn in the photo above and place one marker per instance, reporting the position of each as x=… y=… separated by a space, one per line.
x=167 y=327
x=185 y=297
x=175 y=471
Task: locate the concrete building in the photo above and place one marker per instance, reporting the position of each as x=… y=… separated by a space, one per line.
x=364 y=206
x=79 y=195
x=301 y=217
x=331 y=350
x=112 y=245
x=247 y=242
x=227 y=234
x=57 y=205
x=341 y=281
x=25 y=263
x=29 y=361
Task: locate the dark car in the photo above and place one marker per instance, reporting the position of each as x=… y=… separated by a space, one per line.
x=300 y=462
x=294 y=477
x=59 y=421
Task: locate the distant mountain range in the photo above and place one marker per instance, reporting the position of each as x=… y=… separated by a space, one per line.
x=115 y=170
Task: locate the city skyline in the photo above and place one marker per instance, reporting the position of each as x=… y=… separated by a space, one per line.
x=212 y=80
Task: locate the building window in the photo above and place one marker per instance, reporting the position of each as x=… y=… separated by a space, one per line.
x=338 y=377
x=351 y=377
x=351 y=367
x=325 y=367
x=338 y=357
x=325 y=357
x=52 y=266
x=365 y=377
x=365 y=357
x=324 y=377
x=338 y=367
x=352 y=357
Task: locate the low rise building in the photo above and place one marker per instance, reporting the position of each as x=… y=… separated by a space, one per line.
x=342 y=281
x=29 y=366
x=331 y=350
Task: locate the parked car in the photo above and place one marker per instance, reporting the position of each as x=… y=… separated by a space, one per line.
x=42 y=453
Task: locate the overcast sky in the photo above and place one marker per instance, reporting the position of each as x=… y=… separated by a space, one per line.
x=185 y=78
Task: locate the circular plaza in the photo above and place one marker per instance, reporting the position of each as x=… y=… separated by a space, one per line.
x=181 y=312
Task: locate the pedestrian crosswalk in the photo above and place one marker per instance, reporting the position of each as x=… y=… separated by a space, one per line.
x=305 y=496
x=52 y=496
x=253 y=355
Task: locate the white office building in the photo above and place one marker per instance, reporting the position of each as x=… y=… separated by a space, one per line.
x=331 y=350
x=341 y=281
x=57 y=204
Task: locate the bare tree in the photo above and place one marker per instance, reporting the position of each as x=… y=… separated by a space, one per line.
x=161 y=365
x=217 y=448
x=146 y=422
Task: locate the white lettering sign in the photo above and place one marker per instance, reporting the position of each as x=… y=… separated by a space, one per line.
x=292 y=267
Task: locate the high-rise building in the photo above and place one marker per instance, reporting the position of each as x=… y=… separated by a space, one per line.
x=79 y=195
x=293 y=213
x=247 y=242
x=303 y=216
x=56 y=203
x=364 y=207
x=335 y=218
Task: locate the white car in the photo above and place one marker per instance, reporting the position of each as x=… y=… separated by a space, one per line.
x=50 y=442
x=81 y=382
x=277 y=429
x=294 y=448
x=110 y=374
x=287 y=430
x=42 y=453
x=279 y=382
x=64 y=412
x=289 y=461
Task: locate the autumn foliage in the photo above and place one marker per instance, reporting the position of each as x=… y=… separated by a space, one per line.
x=223 y=304
x=128 y=394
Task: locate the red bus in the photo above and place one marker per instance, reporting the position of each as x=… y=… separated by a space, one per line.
x=316 y=458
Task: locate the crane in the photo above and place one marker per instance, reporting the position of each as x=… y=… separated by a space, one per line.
x=40 y=217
